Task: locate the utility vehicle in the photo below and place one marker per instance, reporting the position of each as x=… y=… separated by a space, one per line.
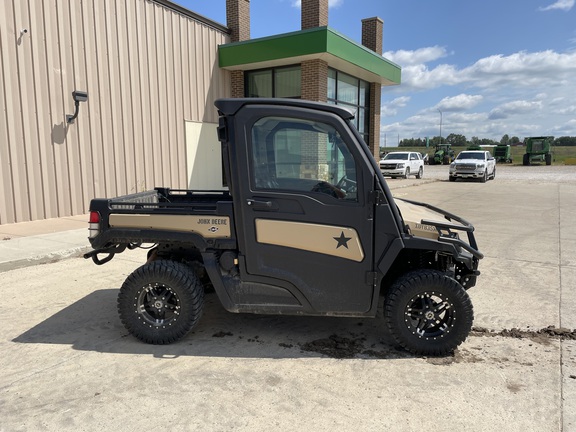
x=308 y=226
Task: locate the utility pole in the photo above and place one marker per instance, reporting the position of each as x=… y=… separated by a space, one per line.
x=440 y=125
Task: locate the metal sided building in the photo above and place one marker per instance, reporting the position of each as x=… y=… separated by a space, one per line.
x=141 y=77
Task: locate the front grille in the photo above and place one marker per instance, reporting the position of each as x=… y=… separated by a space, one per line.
x=388 y=166
x=467 y=167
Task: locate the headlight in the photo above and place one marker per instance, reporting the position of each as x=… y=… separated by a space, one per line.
x=452 y=165
x=479 y=165
x=400 y=165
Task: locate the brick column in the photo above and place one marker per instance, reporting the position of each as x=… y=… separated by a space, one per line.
x=372 y=34
x=314 y=80
x=372 y=29
x=237 y=79
x=374 y=130
x=314 y=13
x=238 y=19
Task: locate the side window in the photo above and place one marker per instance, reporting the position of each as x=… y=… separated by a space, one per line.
x=302 y=156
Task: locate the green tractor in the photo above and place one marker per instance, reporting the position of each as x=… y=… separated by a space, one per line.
x=502 y=153
x=538 y=149
x=443 y=155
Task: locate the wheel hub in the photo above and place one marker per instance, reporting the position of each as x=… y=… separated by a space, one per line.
x=158 y=305
x=429 y=315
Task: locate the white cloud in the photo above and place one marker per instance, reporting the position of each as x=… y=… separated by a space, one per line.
x=461 y=102
x=522 y=69
x=564 y=5
x=517 y=94
x=391 y=108
x=422 y=55
x=514 y=108
x=536 y=70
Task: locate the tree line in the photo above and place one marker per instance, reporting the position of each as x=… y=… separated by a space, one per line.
x=461 y=141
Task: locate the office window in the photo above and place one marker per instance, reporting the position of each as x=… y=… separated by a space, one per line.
x=353 y=93
x=282 y=82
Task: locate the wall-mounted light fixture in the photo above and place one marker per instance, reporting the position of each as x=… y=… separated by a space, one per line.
x=78 y=96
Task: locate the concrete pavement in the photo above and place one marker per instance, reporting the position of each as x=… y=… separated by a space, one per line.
x=68 y=364
x=39 y=242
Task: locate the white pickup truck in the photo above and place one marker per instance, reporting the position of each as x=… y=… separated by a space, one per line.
x=402 y=164
x=476 y=164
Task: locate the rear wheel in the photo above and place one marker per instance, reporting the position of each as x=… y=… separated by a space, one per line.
x=526 y=160
x=548 y=159
x=428 y=313
x=161 y=301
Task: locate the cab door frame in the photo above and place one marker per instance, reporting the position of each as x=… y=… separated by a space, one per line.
x=273 y=265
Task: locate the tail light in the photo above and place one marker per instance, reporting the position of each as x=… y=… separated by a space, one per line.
x=94 y=224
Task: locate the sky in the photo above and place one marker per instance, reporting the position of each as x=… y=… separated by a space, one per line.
x=476 y=68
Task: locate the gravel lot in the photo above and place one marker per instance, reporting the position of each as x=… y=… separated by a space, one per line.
x=532 y=174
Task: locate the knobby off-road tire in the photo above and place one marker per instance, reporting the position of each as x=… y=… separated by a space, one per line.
x=160 y=302
x=428 y=313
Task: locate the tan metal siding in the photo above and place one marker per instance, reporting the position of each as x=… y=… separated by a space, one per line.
x=146 y=68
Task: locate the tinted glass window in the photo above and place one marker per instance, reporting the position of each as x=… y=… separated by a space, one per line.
x=282 y=82
x=302 y=156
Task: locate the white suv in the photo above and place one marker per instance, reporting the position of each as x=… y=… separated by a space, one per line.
x=402 y=164
x=473 y=164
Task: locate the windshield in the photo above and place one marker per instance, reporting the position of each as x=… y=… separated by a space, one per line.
x=471 y=155
x=396 y=156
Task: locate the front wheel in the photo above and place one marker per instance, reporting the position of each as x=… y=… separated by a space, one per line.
x=484 y=176
x=406 y=173
x=420 y=173
x=428 y=313
x=161 y=301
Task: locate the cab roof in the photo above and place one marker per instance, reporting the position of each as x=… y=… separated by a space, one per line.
x=230 y=106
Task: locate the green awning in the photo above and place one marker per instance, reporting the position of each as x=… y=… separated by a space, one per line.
x=318 y=43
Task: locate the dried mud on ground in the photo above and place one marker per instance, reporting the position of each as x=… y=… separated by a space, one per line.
x=342 y=347
x=542 y=336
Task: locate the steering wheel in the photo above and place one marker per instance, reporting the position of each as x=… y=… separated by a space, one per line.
x=347 y=185
x=329 y=189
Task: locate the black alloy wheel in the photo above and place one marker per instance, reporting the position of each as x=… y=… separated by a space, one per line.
x=428 y=313
x=161 y=301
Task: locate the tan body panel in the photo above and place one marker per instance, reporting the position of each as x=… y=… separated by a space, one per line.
x=325 y=239
x=413 y=215
x=206 y=226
